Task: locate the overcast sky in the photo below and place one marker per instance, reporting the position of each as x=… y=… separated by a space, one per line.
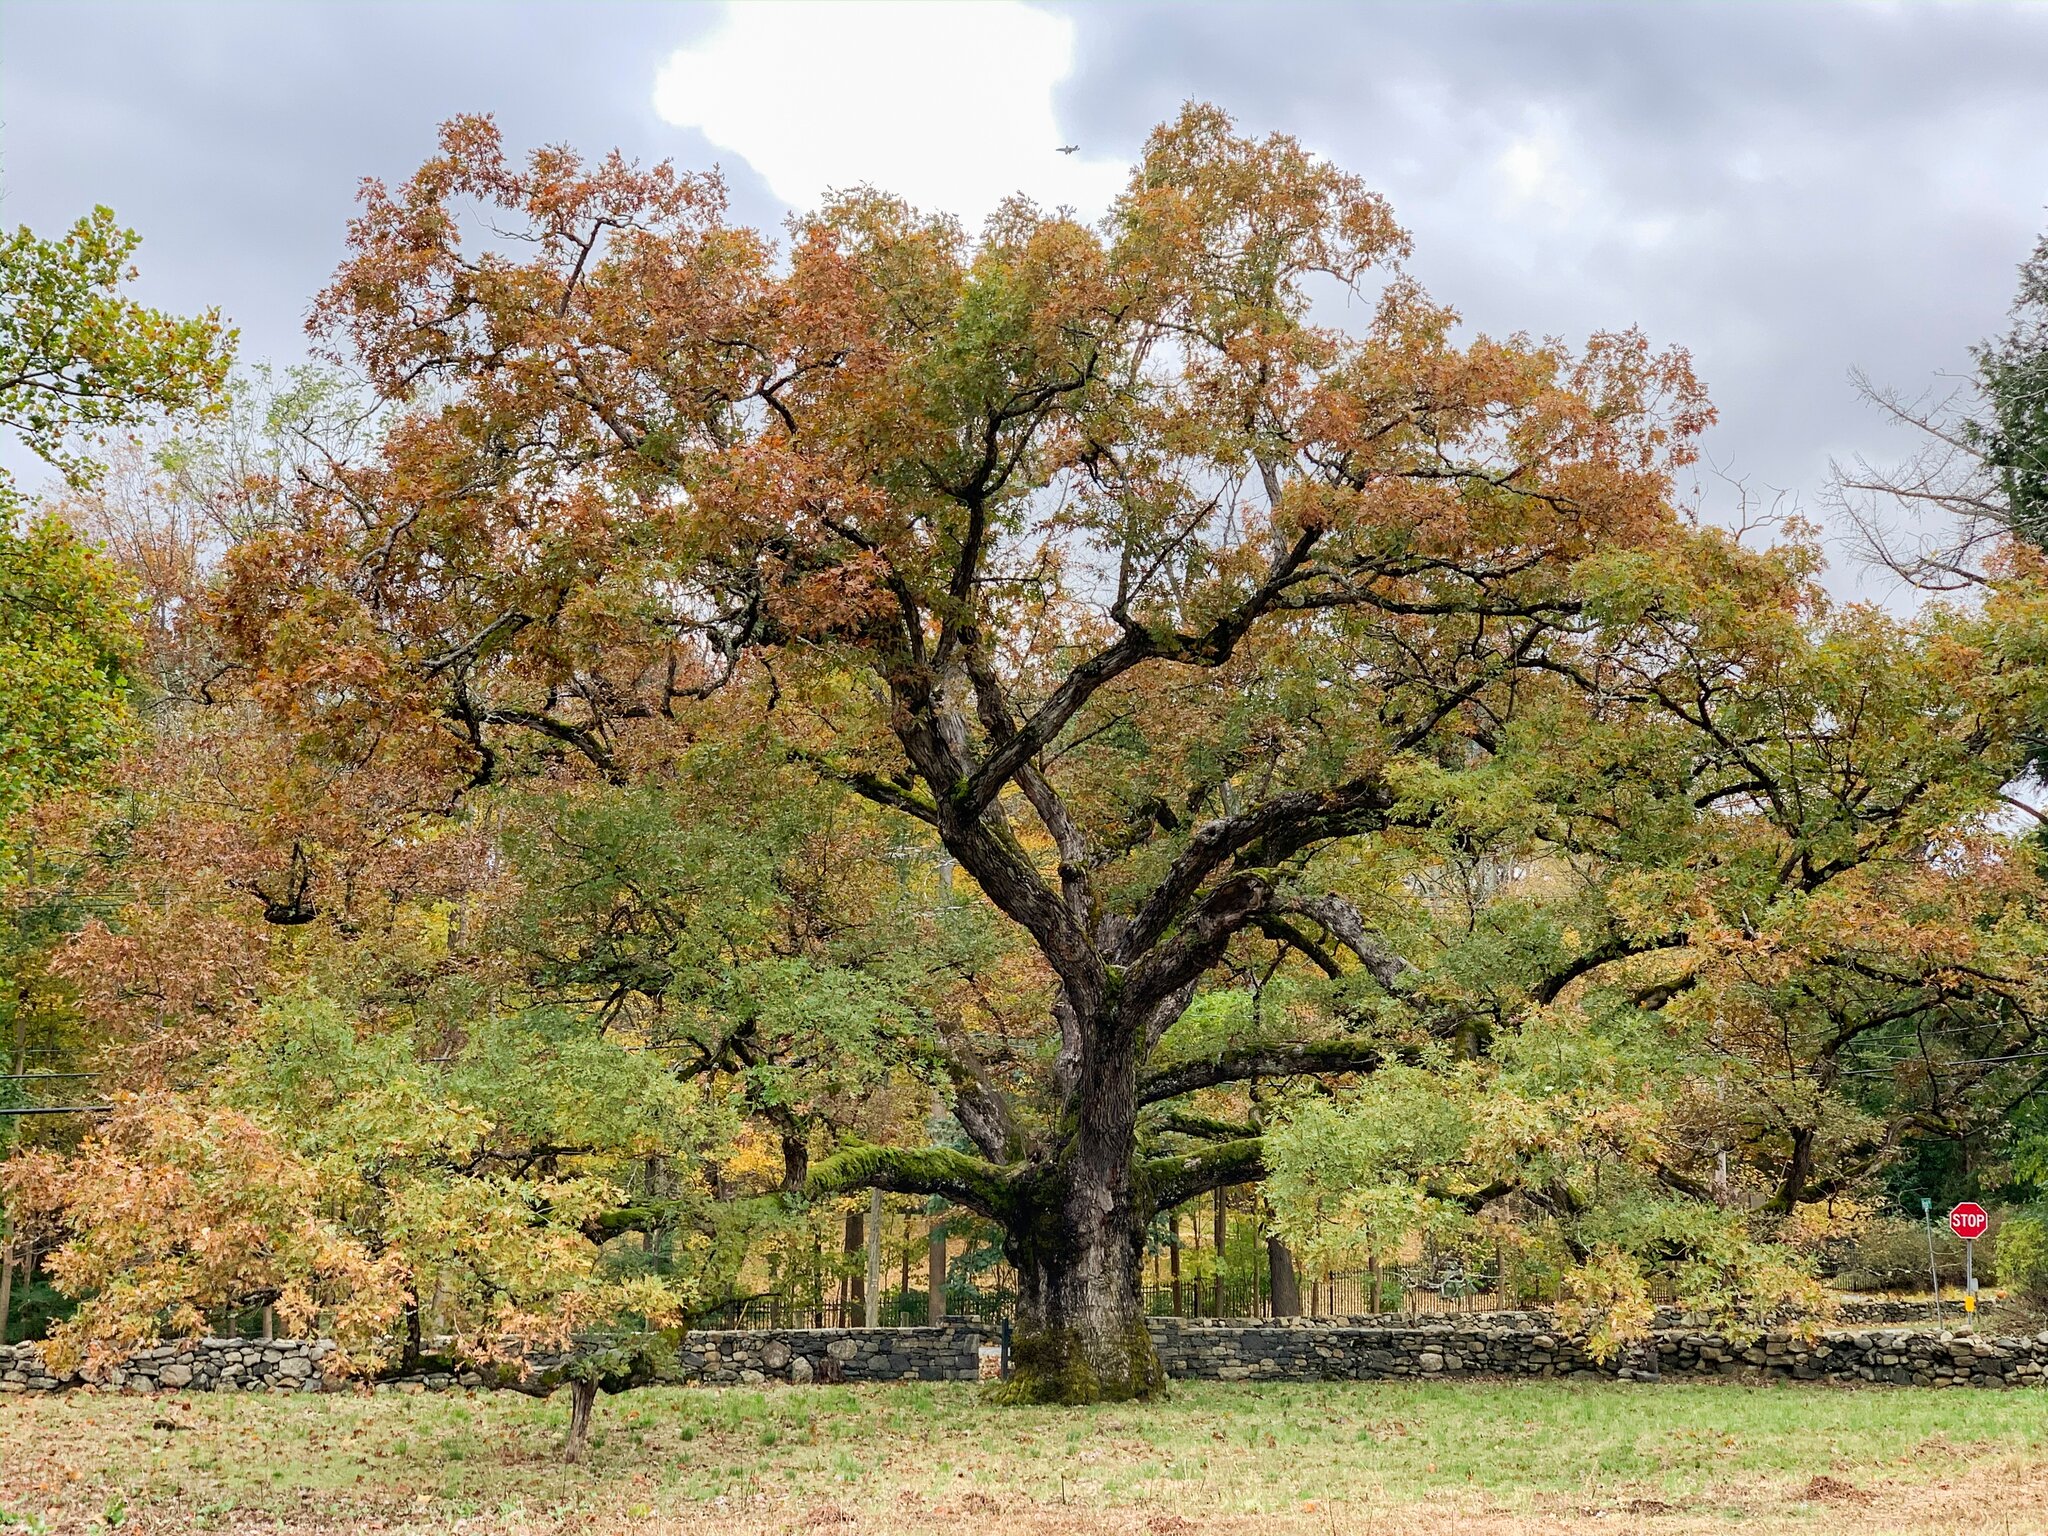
x=1790 y=191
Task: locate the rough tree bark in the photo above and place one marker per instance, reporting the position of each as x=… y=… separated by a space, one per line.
x=582 y=1398
x=1286 y=1284
x=1080 y=1334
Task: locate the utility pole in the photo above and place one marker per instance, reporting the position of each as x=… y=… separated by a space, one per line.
x=874 y=1296
x=1933 y=1271
x=1222 y=1225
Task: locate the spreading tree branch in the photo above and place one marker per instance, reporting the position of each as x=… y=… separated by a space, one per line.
x=1170 y=1180
x=1311 y=1059
x=968 y=1181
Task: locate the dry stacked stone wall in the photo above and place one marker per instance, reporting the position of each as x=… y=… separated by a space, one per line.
x=1200 y=1349
x=1524 y=1344
x=197 y=1365
x=948 y=1352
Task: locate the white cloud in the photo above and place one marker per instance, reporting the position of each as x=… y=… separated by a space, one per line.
x=1535 y=171
x=949 y=106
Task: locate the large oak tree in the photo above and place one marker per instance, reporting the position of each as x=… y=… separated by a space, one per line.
x=1148 y=572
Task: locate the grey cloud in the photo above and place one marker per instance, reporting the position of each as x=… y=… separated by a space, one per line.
x=1843 y=185
x=233 y=136
x=1846 y=186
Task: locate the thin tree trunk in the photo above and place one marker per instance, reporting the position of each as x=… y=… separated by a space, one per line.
x=410 y=1351
x=582 y=1398
x=6 y=1276
x=851 y=1289
x=1173 y=1258
x=935 y=1275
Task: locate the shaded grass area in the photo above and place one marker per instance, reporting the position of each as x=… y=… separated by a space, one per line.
x=1508 y=1456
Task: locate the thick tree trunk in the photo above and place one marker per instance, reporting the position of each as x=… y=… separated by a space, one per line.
x=1798 y=1173
x=1080 y=1334
x=1286 y=1284
x=935 y=1276
x=796 y=1160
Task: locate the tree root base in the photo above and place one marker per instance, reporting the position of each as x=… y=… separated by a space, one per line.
x=1059 y=1366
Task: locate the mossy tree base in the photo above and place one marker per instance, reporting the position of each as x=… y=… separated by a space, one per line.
x=1062 y=1366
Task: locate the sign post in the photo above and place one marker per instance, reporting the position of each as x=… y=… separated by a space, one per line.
x=1933 y=1269
x=1969 y=1221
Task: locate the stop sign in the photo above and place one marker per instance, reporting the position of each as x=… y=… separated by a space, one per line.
x=1968 y=1220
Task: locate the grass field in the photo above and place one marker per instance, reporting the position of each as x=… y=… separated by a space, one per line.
x=1477 y=1459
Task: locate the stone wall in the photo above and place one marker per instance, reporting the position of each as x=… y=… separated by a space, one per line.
x=1528 y=1344
x=948 y=1352
x=1197 y=1349
x=197 y=1365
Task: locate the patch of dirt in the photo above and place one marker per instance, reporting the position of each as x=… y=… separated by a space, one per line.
x=1832 y=1490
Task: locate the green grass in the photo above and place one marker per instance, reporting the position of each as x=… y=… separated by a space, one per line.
x=1210 y=1451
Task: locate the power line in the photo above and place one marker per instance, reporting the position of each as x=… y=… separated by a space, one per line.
x=1910 y=1061
x=30 y=1077
x=58 y=1109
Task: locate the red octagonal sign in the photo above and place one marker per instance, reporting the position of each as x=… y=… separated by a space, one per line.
x=1968 y=1220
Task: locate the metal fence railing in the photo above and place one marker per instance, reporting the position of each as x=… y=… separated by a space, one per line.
x=1185 y=1273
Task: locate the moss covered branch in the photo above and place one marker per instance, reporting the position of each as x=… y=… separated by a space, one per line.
x=968 y=1181
x=1167 y=1181
x=1180 y=1122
